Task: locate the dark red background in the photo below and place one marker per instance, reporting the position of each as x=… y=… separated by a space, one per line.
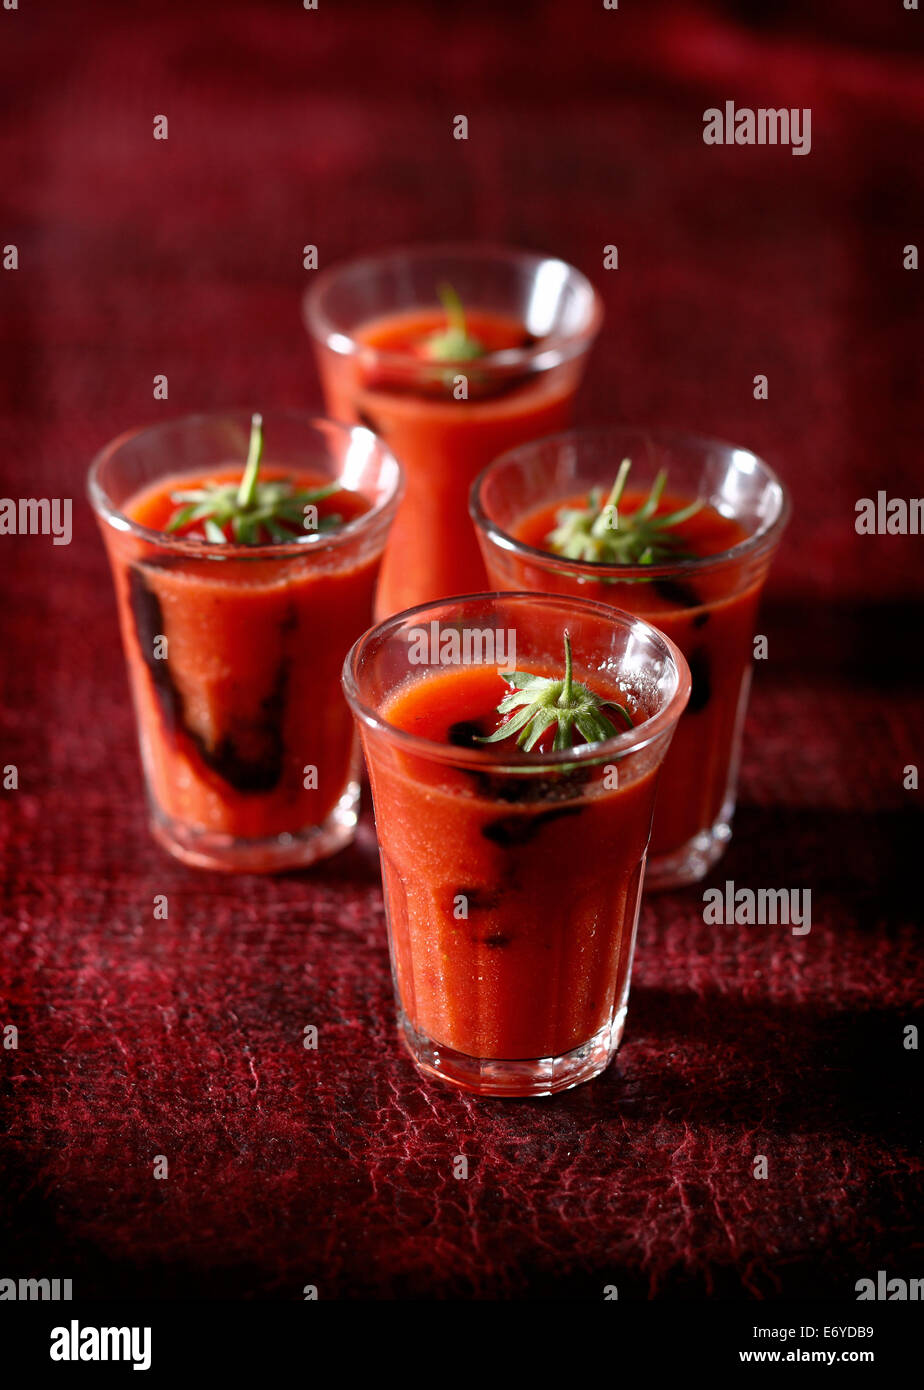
x=139 y=1037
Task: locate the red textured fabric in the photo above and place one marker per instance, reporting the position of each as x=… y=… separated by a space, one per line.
x=184 y=1037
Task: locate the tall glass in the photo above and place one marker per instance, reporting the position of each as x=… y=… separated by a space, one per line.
x=234 y=651
x=512 y=880
x=445 y=420
x=708 y=606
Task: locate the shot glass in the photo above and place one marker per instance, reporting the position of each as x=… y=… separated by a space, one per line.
x=511 y=879
x=371 y=321
x=234 y=651
x=707 y=604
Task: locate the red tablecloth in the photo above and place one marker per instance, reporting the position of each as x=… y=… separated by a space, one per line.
x=183 y=1038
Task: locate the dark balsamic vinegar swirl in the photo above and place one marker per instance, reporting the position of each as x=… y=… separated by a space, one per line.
x=250 y=754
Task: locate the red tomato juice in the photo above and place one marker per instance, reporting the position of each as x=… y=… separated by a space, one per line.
x=247 y=695
x=512 y=898
x=711 y=618
x=440 y=441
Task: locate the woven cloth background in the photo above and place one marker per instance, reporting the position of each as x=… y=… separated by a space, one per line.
x=184 y=1037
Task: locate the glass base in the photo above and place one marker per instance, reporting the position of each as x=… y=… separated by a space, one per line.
x=490 y=1076
x=205 y=849
x=693 y=860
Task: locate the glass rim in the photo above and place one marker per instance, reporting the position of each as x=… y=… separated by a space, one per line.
x=550 y=351
x=760 y=540
x=630 y=741
x=192 y=546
